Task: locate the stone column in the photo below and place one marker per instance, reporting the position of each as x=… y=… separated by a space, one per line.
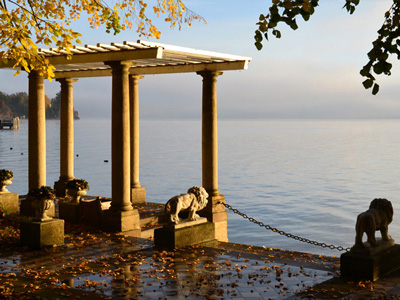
x=121 y=216
x=215 y=213
x=37 y=131
x=138 y=192
x=66 y=135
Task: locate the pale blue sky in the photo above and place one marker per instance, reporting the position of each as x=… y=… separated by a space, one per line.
x=309 y=73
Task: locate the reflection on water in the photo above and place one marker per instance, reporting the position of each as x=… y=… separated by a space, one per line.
x=310 y=178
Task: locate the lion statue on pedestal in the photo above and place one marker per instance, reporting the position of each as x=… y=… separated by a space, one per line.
x=377 y=217
x=194 y=200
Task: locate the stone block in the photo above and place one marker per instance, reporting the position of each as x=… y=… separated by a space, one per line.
x=91 y=211
x=9 y=202
x=26 y=209
x=213 y=208
x=69 y=212
x=38 y=235
x=138 y=195
x=363 y=266
x=120 y=221
x=186 y=233
x=221 y=231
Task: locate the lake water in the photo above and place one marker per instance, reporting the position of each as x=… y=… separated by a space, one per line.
x=309 y=178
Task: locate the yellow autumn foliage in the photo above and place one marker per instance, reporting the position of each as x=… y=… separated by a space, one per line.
x=25 y=24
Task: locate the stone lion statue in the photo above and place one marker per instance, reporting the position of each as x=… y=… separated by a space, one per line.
x=377 y=217
x=194 y=200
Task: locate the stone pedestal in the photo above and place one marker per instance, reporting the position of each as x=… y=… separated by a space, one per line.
x=26 y=209
x=217 y=214
x=92 y=211
x=186 y=233
x=138 y=195
x=367 y=264
x=69 y=212
x=38 y=235
x=119 y=221
x=9 y=202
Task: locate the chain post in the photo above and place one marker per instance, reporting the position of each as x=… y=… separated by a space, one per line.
x=281 y=232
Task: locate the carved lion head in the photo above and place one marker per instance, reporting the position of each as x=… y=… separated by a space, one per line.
x=200 y=194
x=384 y=206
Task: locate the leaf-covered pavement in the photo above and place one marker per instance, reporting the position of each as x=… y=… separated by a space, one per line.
x=97 y=265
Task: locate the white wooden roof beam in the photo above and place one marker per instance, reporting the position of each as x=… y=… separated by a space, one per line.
x=196 y=52
x=153 y=70
x=122 y=55
x=187 y=68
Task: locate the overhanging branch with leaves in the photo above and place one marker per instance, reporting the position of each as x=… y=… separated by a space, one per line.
x=386 y=44
x=26 y=24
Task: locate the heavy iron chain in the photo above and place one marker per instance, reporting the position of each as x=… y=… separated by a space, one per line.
x=281 y=232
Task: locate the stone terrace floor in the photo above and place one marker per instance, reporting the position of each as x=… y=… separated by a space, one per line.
x=96 y=265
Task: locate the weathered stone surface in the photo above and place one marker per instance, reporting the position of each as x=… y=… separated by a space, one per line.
x=371 y=250
x=187 y=223
x=188 y=234
x=217 y=214
x=119 y=221
x=358 y=266
x=221 y=231
x=91 y=211
x=38 y=235
x=138 y=195
x=9 y=202
x=27 y=210
x=69 y=212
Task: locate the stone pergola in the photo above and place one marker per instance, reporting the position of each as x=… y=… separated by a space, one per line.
x=127 y=62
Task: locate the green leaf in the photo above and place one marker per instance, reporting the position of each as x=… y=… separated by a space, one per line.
x=272 y=24
x=258 y=45
x=305 y=15
x=364 y=71
x=263 y=27
x=293 y=25
x=276 y=33
x=375 y=90
x=368 y=83
x=258 y=37
x=378 y=68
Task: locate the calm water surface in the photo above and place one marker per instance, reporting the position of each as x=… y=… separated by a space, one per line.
x=309 y=178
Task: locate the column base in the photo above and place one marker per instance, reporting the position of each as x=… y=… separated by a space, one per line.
x=138 y=195
x=9 y=202
x=26 y=209
x=217 y=214
x=37 y=235
x=120 y=221
x=186 y=233
x=59 y=186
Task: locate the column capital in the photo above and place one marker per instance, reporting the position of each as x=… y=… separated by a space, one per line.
x=136 y=76
x=119 y=64
x=34 y=73
x=66 y=80
x=209 y=74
